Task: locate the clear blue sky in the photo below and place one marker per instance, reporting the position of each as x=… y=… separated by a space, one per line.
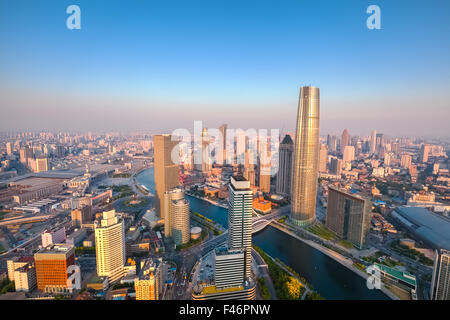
x=159 y=65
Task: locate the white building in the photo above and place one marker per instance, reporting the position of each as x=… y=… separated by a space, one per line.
x=53 y=237
x=240 y=218
x=440 y=284
x=229 y=268
x=177 y=216
x=110 y=246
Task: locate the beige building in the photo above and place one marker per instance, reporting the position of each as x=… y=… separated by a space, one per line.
x=323 y=158
x=177 y=216
x=405 y=161
x=166 y=172
x=25 y=278
x=110 y=246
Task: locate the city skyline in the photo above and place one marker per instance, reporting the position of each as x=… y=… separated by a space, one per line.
x=224 y=150
x=230 y=57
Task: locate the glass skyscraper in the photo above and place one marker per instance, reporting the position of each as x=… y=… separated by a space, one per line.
x=306 y=154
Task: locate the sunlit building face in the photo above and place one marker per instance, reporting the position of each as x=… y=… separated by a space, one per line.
x=306 y=153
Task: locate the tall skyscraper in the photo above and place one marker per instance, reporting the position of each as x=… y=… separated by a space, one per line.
x=177 y=216
x=249 y=166
x=348 y=216
x=8 y=148
x=206 y=156
x=335 y=166
x=110 y=246
x=284 y=174
x=440 y=283
x=424 y=152
x=345 y=140
x=323 y=158
x=306 y=154
x=240 y=218
x=167 y=175
x=373 y=142
x=332 y=143
x=223 y=131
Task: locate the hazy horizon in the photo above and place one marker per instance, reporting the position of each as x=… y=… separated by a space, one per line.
x=159 y=66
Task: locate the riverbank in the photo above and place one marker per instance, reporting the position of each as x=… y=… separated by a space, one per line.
x=346 y=262
x=214 y=203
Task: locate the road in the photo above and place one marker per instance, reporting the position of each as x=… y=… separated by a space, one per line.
x=264 y=270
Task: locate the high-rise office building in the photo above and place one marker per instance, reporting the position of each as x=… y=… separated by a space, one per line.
x=223 y=131
x=206 y=165
x=348 y=215
x=395 y=148
x=405 y=161
x=331 y=143
x=177 y=216
x=306 y=153
x=373 y=142
x=8 y=148
x=424 y=152
x=345 y=140
x=249 y=166
x=110 y=246
x=25 y=154
x=166 y=171
x=240 y=212
x=264 y=178
x=51 y=265
x=348 y=154
x=60 y=151
x=284 y=175
x=323 y=158
x=440 y=283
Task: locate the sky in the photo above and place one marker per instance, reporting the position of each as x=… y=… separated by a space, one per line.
x=160 y=65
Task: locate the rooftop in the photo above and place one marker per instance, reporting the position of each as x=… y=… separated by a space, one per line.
x=212 y=289
x=404 y=276
x=426 y=225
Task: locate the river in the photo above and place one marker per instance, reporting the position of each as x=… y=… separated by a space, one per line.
x=331 y=279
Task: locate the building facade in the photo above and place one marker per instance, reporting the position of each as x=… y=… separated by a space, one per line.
x=284 y=175
x=51 y=265
x=306 y=154
x=177 y=216
x=348 y=216
x=440 y=283
x=166 y=171
x=240 y=218
x=110 y=246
